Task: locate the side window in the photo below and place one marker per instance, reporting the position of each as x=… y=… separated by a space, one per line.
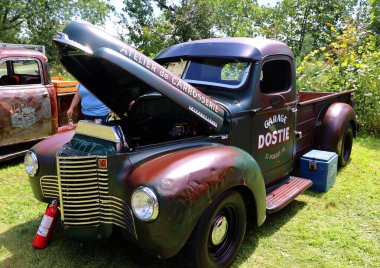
x=20 y=72
x=233 y=71
x=26 y=67
x=276 y=76
x=3 y=69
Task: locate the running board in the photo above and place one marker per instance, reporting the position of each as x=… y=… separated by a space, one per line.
x=12 y=155
x=281 y=194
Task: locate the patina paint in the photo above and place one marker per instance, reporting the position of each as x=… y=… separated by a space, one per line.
x=186 y=173
x=313 y=124
x=186 y=182
x=24 y=114
x=337 y=117
x=46 y=151
x=54 y=108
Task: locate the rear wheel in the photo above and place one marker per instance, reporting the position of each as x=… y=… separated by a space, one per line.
x=219 y=233
x=346 y=147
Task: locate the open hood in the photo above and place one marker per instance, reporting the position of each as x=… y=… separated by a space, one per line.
x=118 y=74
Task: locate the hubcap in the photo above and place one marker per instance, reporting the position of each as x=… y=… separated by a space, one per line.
x=219 y=230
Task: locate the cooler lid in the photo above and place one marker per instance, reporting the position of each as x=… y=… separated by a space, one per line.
x=319 y=155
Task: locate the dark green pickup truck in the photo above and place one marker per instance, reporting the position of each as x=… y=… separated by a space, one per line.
x=207 y=134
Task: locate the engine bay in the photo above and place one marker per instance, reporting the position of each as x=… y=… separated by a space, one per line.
x=153 y=118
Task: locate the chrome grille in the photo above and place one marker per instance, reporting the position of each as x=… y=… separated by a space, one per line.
x=49 y=186
x=84 y=195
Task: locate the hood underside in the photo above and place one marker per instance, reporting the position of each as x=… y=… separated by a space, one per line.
x=117 y=74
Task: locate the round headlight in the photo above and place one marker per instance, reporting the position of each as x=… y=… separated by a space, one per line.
x=144 y=204
x=31 y=163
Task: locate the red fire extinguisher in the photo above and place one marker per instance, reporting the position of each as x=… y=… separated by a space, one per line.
x=47 y=225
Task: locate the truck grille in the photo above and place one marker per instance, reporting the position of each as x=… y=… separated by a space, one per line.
x=49 y=187
x=84 y=195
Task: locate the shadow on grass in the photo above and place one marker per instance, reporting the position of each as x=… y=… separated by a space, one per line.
x=16 y=246
x=272 y=224
x=12 y=162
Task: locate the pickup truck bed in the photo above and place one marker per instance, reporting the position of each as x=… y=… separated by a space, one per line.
x=310 y=112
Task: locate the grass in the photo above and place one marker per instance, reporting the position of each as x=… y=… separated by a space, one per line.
x=340 y=228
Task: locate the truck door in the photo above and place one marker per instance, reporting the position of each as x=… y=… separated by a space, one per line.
x=273 y=118
x=25 y=111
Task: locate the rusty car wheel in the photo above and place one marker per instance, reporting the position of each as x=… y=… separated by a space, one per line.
x=220 y=232
x=345 y=151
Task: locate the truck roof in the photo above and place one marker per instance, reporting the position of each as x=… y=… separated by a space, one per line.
x=21 y=52
x=234 y=47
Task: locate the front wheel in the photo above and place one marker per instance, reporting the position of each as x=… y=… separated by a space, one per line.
x=220 y=232
x=346 y=147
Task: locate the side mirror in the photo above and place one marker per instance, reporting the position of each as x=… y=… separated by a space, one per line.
x=277 y=101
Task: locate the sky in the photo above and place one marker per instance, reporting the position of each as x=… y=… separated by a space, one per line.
x=111 y=25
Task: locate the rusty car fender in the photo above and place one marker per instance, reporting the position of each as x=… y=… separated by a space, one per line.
x=334 y=122
x=46 y=151
x=186 y=182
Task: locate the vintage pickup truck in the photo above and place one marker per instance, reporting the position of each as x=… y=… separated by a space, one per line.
x=31 y=108
x=208 y=135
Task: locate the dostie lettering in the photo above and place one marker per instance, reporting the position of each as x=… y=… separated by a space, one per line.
x=278 y=118
x=272 y=138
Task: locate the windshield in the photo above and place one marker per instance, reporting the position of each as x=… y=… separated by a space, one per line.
x=215 y=72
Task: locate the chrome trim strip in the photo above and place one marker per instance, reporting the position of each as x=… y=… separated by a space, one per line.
x=60 y=190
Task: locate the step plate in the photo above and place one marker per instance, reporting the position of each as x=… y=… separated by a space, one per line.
x=12 y=155
x=283 y=193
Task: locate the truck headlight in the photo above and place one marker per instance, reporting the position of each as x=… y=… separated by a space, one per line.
x=144 y=204
x=31 y=163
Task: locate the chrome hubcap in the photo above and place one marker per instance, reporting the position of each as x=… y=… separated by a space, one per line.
x=219 y=230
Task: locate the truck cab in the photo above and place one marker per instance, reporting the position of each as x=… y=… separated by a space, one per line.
x=257 y=85
x=30 y=107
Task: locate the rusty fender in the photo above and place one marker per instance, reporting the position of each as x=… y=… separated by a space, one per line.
x=334 y=122
x=186 y=182
x=46 y=151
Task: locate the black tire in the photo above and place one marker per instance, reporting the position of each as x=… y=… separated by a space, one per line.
x=346 y=147
x=219 y=233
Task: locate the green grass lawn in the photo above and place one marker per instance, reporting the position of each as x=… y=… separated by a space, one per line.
x=340 y=228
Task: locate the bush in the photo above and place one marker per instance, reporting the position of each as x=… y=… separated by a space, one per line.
x=351 y=61
x=59 y=70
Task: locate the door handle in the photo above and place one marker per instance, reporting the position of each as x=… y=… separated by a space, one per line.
x=45 y=95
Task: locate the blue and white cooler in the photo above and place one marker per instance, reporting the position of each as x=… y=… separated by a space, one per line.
x=321 y=167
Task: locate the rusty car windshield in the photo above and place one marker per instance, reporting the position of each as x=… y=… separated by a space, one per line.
x=225 y=73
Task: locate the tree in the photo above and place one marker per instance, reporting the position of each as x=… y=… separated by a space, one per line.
x=242 y=20
x=153 y=25
x=37 y=21
x=297 y=21
x=375 y=15
x=350 y=61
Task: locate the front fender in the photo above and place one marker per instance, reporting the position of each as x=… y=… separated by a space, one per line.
x=337 y=116
x=46 y=151
x=186 y=182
